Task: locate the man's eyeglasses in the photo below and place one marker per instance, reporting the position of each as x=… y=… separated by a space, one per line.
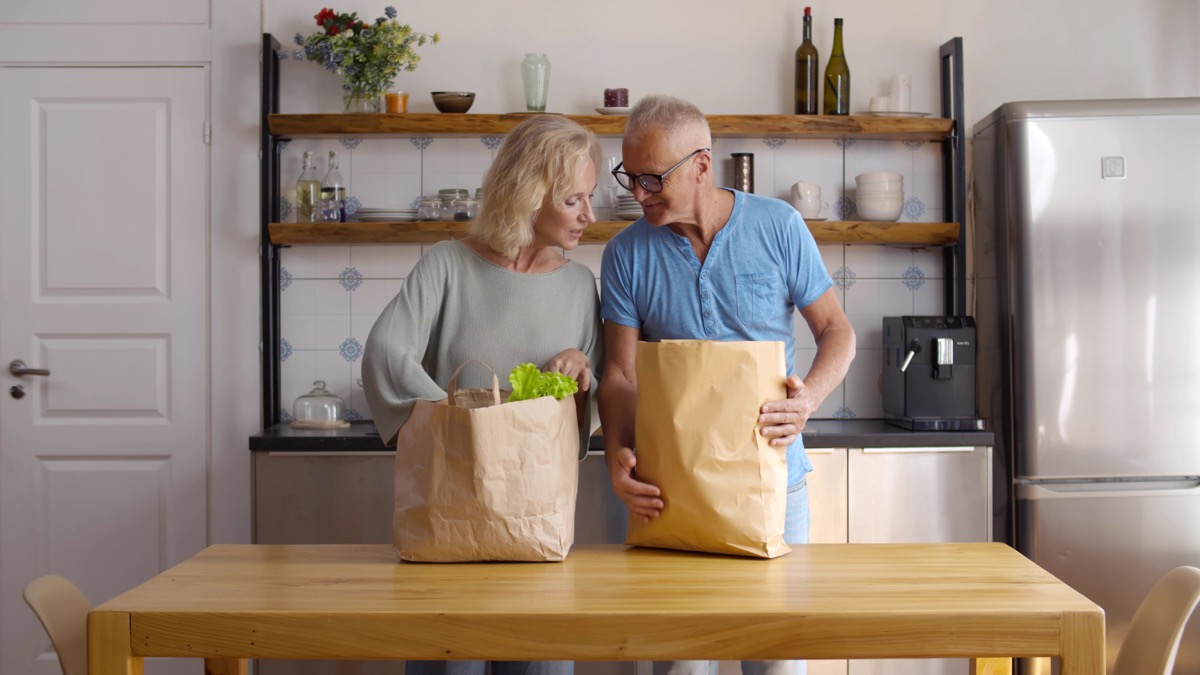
x=650 y=182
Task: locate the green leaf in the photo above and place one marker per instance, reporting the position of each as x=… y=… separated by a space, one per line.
x=528 y=383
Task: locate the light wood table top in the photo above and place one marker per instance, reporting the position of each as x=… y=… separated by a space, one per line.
x=821 y=601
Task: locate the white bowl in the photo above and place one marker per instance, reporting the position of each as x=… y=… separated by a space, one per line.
x=879 y=191
x=880 y=208
x=877 y=176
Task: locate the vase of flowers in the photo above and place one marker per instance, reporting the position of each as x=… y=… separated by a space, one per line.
x=367 y=56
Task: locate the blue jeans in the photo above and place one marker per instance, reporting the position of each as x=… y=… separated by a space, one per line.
x=795 y=531
x=498 y=667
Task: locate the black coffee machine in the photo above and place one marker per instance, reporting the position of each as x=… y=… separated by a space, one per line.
x=929 y=373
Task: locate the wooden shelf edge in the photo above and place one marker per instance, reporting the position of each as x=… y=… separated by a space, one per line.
x=825 y=232
x=729 y=126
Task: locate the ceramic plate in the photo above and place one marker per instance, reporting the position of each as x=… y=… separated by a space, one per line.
x=614 y=111
x=629 y=215
x=893 y=113
x=813 y=220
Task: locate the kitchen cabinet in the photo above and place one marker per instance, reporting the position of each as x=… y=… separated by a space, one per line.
x=947 y=129
x=878 y=495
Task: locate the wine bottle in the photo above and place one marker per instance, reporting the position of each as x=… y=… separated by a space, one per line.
x=837 y=76
x=808 y=101
x=333 y=192
x=308 y=190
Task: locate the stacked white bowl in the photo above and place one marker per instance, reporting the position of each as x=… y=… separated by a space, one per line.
x=879 y=195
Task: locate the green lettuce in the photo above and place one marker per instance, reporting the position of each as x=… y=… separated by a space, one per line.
x=528 y=382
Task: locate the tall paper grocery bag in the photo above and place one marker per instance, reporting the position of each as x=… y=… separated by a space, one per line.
x=724 y=486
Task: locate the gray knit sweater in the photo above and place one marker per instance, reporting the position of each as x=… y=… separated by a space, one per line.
x=456 y=306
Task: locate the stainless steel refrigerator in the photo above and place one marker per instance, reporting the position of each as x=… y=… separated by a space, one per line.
x=1087 y=268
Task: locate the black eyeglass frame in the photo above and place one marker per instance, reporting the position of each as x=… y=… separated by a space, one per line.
x=626 y=180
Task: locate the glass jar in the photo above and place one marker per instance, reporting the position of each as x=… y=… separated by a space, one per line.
x=319 y=408
x=464 y=209
x=447 y=197
x=429 y=208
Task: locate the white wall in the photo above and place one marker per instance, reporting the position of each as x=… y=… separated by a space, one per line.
x=736 y=57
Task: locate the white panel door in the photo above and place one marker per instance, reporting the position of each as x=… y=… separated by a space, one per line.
x=103 y=281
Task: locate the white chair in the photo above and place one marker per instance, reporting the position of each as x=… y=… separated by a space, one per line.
x=1154 y=634
x=62 y=608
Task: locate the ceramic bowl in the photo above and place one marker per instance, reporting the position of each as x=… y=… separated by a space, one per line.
x=453 y=101
x=880 y=208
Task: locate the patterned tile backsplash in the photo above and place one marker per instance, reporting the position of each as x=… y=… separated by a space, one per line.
x=331 y=295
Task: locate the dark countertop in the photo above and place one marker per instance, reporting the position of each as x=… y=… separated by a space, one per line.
x=362 y=437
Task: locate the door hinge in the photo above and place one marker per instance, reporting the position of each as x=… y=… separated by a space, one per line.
x=207 y=133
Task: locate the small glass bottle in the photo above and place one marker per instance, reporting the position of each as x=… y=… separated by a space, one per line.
x=535 y=73
x=333 y=192
x=308 y=190
x=808 y=75
x=837 y=76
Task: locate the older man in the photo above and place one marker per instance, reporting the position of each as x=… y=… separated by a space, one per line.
x=714 y=264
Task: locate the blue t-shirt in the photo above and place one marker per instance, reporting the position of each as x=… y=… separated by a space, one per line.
x=762 y=266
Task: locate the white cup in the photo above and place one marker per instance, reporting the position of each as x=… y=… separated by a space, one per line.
x=806 y=197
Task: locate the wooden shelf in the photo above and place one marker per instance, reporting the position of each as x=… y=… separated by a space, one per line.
x=825 y=232
x=776 y=126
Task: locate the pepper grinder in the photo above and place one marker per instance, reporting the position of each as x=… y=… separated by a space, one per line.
x=743 y=171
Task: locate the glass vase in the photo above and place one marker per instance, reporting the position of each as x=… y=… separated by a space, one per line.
x=359 y=103
x=535 y=72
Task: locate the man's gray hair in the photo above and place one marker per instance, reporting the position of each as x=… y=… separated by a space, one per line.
x=683 y=121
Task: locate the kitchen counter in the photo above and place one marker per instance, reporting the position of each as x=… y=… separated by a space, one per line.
x=362 y=437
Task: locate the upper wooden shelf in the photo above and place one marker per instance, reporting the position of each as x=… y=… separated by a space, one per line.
x=779 y=126
x=825 y=232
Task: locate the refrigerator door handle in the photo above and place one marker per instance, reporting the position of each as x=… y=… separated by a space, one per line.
x=1187 y=485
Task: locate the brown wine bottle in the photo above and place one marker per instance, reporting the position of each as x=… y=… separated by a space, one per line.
x=807 y=72
x=837 y=76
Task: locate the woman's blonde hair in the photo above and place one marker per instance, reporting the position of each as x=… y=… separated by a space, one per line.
x=538 y=160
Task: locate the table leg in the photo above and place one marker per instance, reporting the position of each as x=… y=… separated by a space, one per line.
x=991 y=666
x=110 y=650
x=1082 y=644
x=226 y=666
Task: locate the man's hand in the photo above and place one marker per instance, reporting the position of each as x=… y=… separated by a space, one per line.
x=784 y=420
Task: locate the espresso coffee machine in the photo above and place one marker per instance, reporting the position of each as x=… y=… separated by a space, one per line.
x=929 y=373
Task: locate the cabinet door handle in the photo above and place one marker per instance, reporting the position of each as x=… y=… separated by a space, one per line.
x=924 y=448
x=19 y=368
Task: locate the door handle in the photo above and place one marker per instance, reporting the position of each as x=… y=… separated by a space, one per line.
x=18 y=368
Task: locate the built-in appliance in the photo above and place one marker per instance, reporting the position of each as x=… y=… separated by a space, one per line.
x=1087 y=265
x=929 y=373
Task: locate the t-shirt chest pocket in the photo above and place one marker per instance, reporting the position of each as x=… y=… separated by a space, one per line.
x=758 y=297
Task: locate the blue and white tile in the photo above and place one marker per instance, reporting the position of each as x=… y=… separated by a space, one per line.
x=296 y=377
x=401 y=156
x=370 y=260
x=868 y=301
x=930 y=299
x=299 y=329
x=870 y=261
x=440 y=157
x=371 y=187
x=403 y=190
x=329 y=261
x=335 y=371
x=371 y=156
x=812 y=161
x=474 y=156
x=401 y=258
x=862 y=384
x=833 y=255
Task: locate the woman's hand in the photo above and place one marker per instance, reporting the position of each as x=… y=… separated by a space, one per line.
x=574 y=364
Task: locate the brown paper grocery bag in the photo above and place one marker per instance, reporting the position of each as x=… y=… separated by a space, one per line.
x=482 y=479
x=724 y=486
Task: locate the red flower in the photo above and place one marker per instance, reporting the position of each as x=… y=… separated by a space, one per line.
x=325 y=15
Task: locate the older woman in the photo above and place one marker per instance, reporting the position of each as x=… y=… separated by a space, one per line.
x=505 y=295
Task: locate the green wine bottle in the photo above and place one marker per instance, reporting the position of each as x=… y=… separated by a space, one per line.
x=807 y=72
x=837 y=76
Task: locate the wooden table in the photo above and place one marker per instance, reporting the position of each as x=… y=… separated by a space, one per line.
x=835 y=601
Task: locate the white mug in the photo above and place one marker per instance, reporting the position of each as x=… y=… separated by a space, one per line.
x=804 y=190
x=806 y=197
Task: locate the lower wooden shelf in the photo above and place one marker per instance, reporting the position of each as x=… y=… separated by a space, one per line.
x=426 y=232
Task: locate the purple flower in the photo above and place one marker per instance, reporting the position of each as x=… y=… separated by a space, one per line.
x=390 y=11
x=299 y=39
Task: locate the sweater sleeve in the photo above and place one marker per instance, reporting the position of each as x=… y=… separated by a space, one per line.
x=393 y=374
